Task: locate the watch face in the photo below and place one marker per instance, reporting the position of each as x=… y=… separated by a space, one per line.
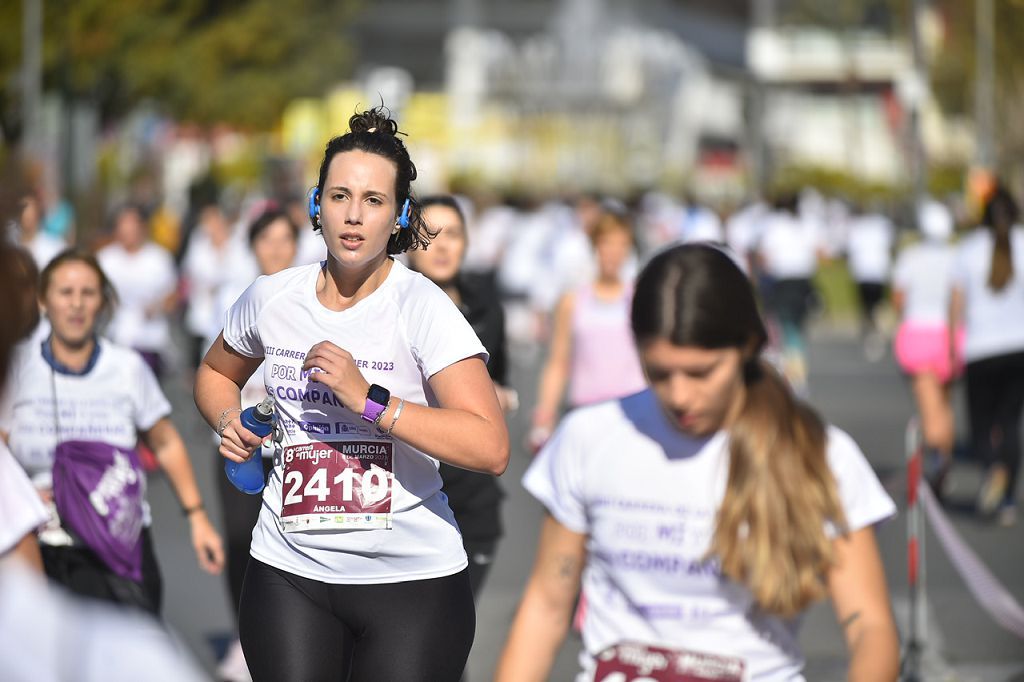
x=378 y=394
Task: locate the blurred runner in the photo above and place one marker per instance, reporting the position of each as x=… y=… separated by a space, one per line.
x=869 y=242
x=988 y=298
x=705 y=514
x=787 y=258
x=73 y=417
x=921 y=286
x=474 y=498
x=145 y=281
x=48 y=634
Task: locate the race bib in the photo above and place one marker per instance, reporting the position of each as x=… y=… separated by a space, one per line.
x=631 y=662
x=344 y=485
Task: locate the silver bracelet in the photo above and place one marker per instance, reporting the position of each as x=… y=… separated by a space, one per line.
x=398 y=413
x=221 y=424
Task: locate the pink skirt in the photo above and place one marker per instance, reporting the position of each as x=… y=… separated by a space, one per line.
x=924 y=348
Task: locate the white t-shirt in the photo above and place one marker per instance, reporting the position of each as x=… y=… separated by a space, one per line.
x=43 y=248
x=700 y=224
x=788 y=246
x=206 y=268
x=401 y=334
x=994 y=321
x=114 y=399
x=311 y=247
x=869 y=248
x=51 y=634
x=142 y=281
x=924 y=274
x=21 y=509
x=646 y=496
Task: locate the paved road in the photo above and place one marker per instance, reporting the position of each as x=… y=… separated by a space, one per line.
x=868 y=400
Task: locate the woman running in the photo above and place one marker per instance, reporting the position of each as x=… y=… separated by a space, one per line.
x=988 y=297
x=921 y=286
x=706 y=513
x=592 y=349
x=78 y=405
x=474 y=498
x=357 y=570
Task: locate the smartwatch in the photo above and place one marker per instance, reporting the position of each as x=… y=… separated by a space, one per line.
x=376 y=402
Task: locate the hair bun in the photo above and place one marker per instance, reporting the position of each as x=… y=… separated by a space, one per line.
x=375 y=120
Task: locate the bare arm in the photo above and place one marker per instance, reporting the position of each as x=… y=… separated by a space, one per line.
x=860 y=599
x=956 y=320
x=468 y=428
x=899 y=301
x=170 y=451
x=27 y=550
x=218 y=391
x=555 y=374
x=544 y=613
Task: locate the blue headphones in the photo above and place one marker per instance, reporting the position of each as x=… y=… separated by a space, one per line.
x=403 y=218
x=314 y=205
x=314 y=209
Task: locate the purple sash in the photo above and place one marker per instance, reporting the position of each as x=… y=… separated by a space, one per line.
x=99 y=490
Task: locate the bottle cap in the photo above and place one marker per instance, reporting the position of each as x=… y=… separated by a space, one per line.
x=265 y=409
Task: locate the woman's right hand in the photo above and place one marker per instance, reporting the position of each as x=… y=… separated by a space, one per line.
x=237 y=443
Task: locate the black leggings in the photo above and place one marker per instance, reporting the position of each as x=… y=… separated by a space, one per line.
x=995 y=400
x=294 y=628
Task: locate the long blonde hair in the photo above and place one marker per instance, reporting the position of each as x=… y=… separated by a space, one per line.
x=771 y=532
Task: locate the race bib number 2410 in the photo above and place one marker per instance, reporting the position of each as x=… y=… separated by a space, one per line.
x=341 y=485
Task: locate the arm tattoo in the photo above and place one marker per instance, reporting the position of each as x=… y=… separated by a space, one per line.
x=849 y=620
x=566 y=567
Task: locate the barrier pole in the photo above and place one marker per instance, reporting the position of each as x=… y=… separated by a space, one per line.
x=914 y=647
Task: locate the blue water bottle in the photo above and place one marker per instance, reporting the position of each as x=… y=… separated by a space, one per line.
x=247 y=476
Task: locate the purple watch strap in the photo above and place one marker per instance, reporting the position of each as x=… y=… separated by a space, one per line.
x=372 y=410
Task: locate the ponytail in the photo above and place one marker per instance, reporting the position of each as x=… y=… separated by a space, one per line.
x=1000 y=215
x=770 y=533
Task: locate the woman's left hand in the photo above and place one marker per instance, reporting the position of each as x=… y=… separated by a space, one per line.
x=336 y=369
x=207 y=543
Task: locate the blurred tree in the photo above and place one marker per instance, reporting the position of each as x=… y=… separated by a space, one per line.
x=207 y=61
x=953 y=72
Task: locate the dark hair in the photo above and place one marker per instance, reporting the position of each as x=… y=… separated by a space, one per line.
x=20 y=315
x=446 y=200
x=682 y=293
x=266 y=219
x=79 y=255
x=1001 y=213
x=770 y=531
x=375 y=132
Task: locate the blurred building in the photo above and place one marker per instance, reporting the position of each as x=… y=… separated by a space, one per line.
x=710 y=97
x=582 y=94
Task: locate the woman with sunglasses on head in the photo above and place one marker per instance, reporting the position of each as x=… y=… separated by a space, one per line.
x=705 y=514
x=376 y=378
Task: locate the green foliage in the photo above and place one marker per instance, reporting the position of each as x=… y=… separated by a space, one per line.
x=833 y=182
x=231 y=61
